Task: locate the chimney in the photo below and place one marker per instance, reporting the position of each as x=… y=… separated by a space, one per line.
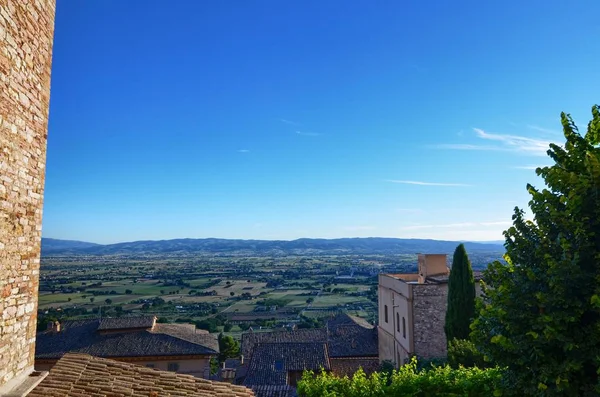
x=432 y=265
x=223 y=365
x=242 y=359
x=53 y=326
x=154 y=318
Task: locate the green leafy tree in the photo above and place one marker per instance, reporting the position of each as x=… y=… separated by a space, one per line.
x=465 y=353
x=461 y=296
x=540 y=317
x=228 y=347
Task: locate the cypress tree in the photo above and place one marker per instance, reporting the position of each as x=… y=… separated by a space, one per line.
x=461 y=296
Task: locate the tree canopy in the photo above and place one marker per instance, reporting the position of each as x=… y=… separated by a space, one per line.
x=540 y=316
x=228 y=347
x=461 y=296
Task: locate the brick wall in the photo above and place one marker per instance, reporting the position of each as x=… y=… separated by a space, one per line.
x=26 y=33
x=429 y=315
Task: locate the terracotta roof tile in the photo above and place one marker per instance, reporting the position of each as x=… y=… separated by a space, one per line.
x=82 y=375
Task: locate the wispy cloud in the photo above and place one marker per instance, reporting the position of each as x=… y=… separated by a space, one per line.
x=458 y=225
x=358 y=228
x=527 y=167
x=516 y=142
x=409 y=210
x=307 y=133
x=421 y=183
x=243 y=151
x=466 y=146
x=290 y=122
x=543 y=130
x=505 y=142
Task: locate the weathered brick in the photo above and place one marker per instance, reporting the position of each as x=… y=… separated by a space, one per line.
x=26 y=33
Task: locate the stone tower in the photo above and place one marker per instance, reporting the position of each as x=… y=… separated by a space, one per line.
x=26 y=35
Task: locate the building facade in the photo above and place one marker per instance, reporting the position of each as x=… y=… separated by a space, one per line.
x=412 y=310
x=26 y=35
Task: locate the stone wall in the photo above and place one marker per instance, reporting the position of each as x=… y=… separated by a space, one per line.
x=26 y=34
x=429 y=315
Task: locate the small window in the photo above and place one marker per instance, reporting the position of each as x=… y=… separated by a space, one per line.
x=386 y=313
x=404 y=327
x=278 y=365
x=150 y=365
x=174 y=367
x=398 y=322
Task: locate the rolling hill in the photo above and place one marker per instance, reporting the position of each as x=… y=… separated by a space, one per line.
x=304 y=246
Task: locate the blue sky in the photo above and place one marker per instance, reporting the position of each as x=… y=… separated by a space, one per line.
x=287 y=119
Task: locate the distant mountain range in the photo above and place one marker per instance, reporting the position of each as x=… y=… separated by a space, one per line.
x=303 y=246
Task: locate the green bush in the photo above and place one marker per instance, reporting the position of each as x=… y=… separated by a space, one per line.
x=408 y=381
x=464 y=352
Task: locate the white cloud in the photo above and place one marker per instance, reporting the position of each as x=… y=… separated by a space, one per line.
x=420 y=183
x=505 y=142
x=517 y=143
x=358 y=228
x=463 y=225
x=475 y=234
x=409 y=210
x=243 y=151
x=527 y=167
x=465 y=146
x=290 y=122
x=543 y=130
x=307 y=133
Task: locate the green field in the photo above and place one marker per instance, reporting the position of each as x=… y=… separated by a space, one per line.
x=200 y=288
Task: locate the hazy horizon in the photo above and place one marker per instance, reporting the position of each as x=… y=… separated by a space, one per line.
x=278 y=120
x=301 y=238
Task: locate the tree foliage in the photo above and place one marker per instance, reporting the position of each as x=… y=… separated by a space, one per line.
x=464 y=352
x=407 y=381
x=540 y=316
x=228 y=347
x=461 y=296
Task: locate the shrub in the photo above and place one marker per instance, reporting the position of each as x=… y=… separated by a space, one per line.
x=408 y=381
x=463 y=352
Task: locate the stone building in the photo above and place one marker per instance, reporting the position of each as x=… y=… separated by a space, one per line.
x=26 y=37
x=412 y=311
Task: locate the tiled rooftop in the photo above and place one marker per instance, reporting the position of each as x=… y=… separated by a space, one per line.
x=272 y=361
x=274 y=391
x=81 y=336
x=81 y=375
x=251 y=339
x=122 y=323
x=348 y=366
